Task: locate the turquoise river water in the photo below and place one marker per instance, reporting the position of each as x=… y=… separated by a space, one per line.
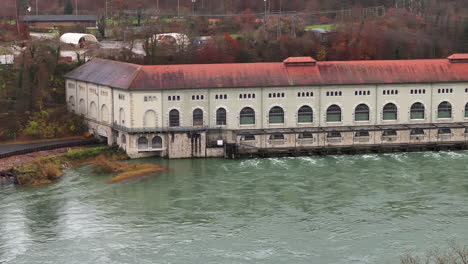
x=335 y=209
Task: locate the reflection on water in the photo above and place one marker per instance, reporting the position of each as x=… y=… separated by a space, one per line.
x=336 y=209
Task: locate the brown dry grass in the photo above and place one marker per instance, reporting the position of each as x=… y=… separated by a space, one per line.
x=134 y=174
x=127 y=171
x=51 y=171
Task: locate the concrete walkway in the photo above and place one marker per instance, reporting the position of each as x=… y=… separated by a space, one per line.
x=8 y=150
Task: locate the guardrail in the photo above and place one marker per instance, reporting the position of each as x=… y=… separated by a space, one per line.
x=49 y=147
x=158 y=129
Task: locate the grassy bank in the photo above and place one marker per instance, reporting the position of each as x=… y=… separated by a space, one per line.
x=49 y=169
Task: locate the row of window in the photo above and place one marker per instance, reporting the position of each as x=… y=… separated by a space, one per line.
x=173 y=98
x=221 y=96
x=149 y=98
x=390 y=112
x=390 y=92
x=361 y=92
x=336 y=93
x=276 y=95
x=305 y=114
x=357 y=134
x=247 y=96
x=444 y=91
x=302 y=94
x=143 y=143
x=198 y=97
x=418 y=91
x=305 y=94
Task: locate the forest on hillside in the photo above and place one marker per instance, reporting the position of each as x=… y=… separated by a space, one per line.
x=436 y=7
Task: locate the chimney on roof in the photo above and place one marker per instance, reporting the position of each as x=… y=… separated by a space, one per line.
x=300 y=61
x=458 y=58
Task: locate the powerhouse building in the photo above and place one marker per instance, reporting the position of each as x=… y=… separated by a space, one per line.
x=298 y=106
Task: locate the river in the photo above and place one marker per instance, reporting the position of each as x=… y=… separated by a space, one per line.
x=335 y=209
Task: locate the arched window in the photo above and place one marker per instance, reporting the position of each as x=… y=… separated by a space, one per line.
x=334 y=134
x=93 y=110
x=197 y=117
x=389 y=133
x=122 y=116
x=417 y=131
x=305 y=135
x=305 y=114
x=247 y=116
x=276 y=115
x=82 y=107
x=104 y=114
x=390 y=112
x=248 y=138
x=174 y=119
x=71 y=101
x=444 y=131
x=361 y=113
x=277 y=137
x=334 y=114
x=221 y=117
x=417 y=111
x=142 y=143
x=149 y=120
x=444 y=110
x=156 y=143
x=466 y=110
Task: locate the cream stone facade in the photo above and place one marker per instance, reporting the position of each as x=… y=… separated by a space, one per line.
x=224 y=121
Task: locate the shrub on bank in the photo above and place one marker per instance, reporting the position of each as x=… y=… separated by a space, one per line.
x=89 y=153
x=105 y=160
x=43 y=171
x=456 y=254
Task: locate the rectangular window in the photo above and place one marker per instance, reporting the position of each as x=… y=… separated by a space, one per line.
x=362 y=134
x=247 y=120
x=362 y=116
x=389 y=116
x=444 y=114
x=334 y=118
x=305 y=118
x=417 y=115
x=333 y=134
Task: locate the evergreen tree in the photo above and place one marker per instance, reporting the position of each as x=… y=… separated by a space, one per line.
x=68 y=10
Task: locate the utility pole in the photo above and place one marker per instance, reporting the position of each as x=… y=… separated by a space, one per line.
x=193 y=7
x=264 y=18
x=37 y=10
x=106 y=9
x=279 y=20
x=76 y=7
x=178 y=8
x=17 y=17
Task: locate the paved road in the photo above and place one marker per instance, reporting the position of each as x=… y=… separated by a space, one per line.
x=7 y=149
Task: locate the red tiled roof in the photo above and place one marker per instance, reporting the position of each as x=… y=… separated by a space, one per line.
x=155 y=77
x=299 y=60
x=459 y=56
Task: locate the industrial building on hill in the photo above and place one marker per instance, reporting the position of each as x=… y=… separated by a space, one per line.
x=299 y=106
x=52 y=21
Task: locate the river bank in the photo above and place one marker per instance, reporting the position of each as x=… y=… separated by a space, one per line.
x=7 y=173
x=47 y=167
x=9 y=163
